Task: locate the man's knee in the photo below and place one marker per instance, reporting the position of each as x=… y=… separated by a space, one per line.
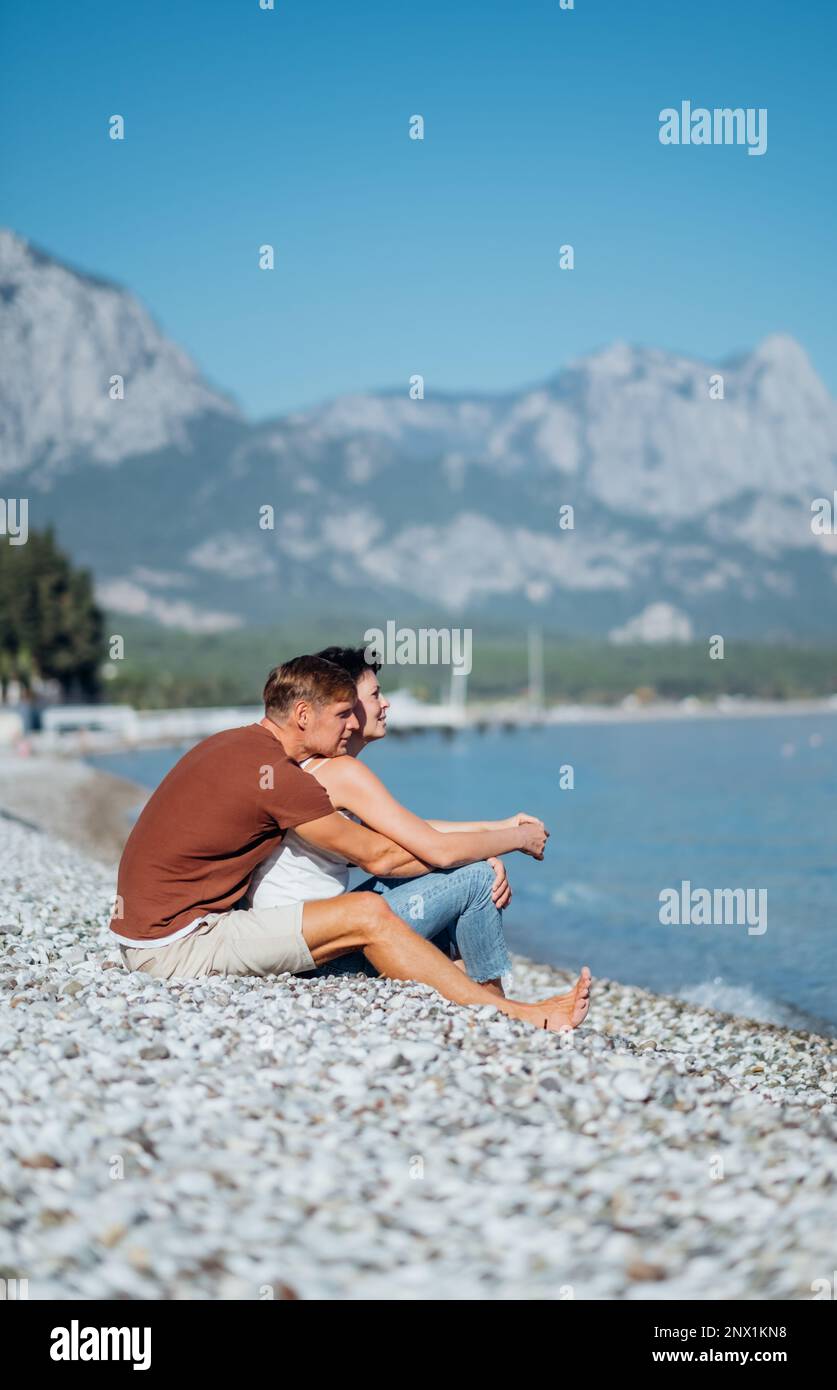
x=373 y=913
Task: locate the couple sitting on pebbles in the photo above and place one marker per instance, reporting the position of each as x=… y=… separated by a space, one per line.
x=239 y=862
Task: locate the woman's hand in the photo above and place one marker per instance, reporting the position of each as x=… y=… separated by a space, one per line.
x=522 y=818
x=501 y=893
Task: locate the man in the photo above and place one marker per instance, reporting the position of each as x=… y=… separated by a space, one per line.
x=223 y=807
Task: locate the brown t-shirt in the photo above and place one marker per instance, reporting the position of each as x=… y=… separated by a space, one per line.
x=219 y=811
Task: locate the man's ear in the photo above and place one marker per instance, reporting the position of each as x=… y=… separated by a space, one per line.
x=301 y=712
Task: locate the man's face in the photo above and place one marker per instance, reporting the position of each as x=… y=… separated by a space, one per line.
x=371 y=708
x=328 y=728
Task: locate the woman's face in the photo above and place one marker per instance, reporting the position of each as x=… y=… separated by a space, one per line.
x=371 y=708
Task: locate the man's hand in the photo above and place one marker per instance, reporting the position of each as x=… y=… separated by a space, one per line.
x=501 y=893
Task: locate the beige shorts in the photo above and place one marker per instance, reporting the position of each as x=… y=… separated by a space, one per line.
x=260 y=941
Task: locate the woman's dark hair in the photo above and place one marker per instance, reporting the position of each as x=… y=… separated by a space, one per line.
x=352 y=660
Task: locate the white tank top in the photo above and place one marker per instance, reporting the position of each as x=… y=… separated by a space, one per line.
x=297 y=872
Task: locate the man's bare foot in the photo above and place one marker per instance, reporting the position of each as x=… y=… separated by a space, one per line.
x=562 y=1011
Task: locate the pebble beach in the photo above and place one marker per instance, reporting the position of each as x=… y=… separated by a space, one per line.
x=360 y=1138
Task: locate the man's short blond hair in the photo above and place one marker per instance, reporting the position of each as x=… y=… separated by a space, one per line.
x=305 y=678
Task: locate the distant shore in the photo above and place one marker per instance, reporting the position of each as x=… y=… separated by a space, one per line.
x=725 y=707
x=122 y=728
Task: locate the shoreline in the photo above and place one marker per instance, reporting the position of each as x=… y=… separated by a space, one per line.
x=88 y=808
x=356 y=1138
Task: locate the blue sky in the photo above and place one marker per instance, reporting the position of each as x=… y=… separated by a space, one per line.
x=396 y=256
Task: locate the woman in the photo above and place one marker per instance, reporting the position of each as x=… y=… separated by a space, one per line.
x=459 y=908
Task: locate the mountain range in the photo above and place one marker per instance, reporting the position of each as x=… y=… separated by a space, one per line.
x=636 y=492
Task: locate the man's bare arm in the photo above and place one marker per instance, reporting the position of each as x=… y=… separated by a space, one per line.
x=371 y=851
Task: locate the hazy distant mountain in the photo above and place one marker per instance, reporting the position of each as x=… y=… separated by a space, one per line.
x=448 y=506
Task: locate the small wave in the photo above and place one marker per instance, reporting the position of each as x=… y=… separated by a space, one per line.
x=742 y=1000
x=571 y=893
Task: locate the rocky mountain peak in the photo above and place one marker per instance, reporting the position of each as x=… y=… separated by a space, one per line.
x=64 y=336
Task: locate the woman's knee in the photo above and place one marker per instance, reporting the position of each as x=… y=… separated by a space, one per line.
x=481 y=877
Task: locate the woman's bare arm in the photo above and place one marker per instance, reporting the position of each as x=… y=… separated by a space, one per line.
x=446 y=826
x=352 y=786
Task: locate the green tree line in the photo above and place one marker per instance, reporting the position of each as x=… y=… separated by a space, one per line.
x=50 y=626
x=164 y=667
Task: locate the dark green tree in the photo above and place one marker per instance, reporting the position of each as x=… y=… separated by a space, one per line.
x=50 y=625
